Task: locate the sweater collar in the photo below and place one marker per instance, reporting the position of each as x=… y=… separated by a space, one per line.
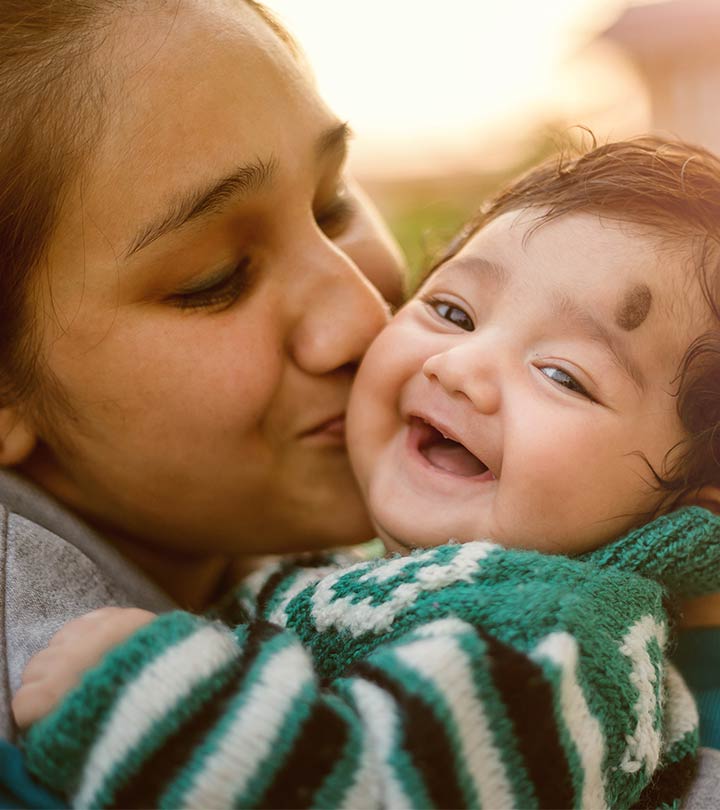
x=681 y=550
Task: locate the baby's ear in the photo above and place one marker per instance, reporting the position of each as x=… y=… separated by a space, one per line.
x=17 y=437
x=708 y=497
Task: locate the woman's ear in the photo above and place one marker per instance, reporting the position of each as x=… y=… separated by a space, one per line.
x=708 y=497
x=17 y=437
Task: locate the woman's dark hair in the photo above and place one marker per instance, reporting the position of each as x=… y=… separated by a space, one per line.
x=51 y=116
x=672 y=189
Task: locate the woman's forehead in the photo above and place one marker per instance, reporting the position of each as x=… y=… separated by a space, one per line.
x=195 y=97
x=184 y=77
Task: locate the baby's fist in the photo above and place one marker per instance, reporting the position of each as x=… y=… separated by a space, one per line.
x=77 y=647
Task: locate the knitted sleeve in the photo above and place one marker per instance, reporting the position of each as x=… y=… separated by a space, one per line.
x=464 y=676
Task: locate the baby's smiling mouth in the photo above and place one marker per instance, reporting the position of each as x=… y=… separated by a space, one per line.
x=445 y=453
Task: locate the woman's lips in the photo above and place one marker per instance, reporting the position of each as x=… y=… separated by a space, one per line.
x=331 y=429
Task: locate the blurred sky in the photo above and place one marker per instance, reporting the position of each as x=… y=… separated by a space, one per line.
x=432 y=87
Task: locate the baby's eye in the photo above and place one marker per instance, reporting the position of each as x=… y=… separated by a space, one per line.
x=455 y=314
x=564 y=379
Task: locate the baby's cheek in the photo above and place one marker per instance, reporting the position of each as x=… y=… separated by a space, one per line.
x=365 y=440
x=371 y=399
x=359 y=430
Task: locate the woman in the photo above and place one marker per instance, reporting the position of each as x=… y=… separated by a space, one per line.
x=183 y=306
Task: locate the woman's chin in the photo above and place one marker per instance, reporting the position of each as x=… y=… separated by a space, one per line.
x=347 y=526
x=325 y=519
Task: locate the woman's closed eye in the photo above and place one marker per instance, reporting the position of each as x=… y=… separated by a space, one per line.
x=565 y=380
x=219 y=292
x=335 y=216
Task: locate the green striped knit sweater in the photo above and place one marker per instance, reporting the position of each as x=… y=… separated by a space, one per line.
x=460 y=676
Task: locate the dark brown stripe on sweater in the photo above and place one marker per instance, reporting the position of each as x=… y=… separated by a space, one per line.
x=668 y=784
x=426 y=740
x=528 y=699
x=317 y=750
x=145 y=787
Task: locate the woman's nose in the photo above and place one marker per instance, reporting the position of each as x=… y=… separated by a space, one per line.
x=337 y=316
x=467 y=371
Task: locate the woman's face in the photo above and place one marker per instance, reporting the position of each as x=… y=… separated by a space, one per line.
x=212 y=283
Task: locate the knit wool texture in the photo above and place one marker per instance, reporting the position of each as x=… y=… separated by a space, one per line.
x=460 y=676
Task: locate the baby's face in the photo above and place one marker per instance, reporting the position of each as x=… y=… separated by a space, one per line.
x=517 y=394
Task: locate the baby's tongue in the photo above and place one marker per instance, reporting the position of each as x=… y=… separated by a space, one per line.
x=453 y=457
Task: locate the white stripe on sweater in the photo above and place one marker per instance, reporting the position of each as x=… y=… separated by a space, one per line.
x=251 y=586
x=301 y=579
x=681 y=715
x=440 y=628
x=390 y=568
x=643 y=745
x=442 y=661
x=364 y=791
x=583 y=727
x=364 y=788
x=362 y=616
x=155 y=692
x=378 y=713
x=252 y=734
x=466 y=552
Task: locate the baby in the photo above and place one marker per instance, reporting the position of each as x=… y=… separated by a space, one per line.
x=548 y=386
x=553 y=388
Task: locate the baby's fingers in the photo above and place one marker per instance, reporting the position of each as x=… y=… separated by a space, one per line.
x=42 y=665
x=77 y=647
x=34 y=701
x=93 y=623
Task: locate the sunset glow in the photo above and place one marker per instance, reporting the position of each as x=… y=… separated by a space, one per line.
x=428 y=85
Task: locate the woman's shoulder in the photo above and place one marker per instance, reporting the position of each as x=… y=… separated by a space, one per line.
x=703 y=795
x=53 y=568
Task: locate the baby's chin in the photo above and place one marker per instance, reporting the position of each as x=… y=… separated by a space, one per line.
x=396 y=544
x=403 y=535
x=393 y=545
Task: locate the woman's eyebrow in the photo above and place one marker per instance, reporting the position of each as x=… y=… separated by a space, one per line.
x=242 y=182
x=204 y=201
x=333 y=141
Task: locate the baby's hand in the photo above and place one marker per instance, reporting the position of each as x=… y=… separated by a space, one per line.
x=77 y=647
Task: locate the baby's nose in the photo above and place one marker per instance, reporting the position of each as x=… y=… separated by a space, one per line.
x=462 y=372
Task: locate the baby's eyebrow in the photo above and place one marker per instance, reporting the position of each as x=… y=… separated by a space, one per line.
x=478 y=266
x=568 y=309
x=564 y=308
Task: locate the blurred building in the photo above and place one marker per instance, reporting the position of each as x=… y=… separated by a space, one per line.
x=675 y=45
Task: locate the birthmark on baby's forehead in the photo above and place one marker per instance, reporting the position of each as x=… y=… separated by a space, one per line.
x=634 y=307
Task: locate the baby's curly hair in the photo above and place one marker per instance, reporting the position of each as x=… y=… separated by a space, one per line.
x=672 y=189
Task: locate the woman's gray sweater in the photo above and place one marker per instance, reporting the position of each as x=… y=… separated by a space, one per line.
x=53 y=568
